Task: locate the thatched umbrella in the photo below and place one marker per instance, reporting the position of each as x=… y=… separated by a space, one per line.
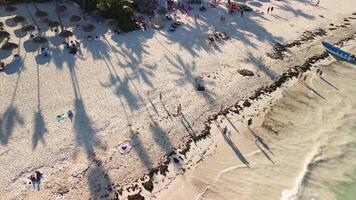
x=111 y=23
x=88 y=28
x=19 y=19
x=41 y=13
x=61 y=8
x=10 y=9
x=53 y=23
x=39 y=40
x=65 y=34
x=9 y=46
x=28 y=28
x=75 y=18
x=4 y=34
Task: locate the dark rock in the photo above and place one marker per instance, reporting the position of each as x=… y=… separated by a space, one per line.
x=246 y=103
x=246 y=72
x=148 y=185
x=175 y=160
x=136 y=197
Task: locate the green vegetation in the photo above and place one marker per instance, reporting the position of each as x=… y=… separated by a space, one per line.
x=119 y=10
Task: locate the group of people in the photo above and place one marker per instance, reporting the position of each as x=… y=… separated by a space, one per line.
x=45 y=51
x=35 y=179
x=96 y=38
x=217 y=36
x=73 y=47
x=303 y=77
x=270 y=9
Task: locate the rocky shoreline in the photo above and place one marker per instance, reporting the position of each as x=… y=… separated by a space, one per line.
x=146 y=183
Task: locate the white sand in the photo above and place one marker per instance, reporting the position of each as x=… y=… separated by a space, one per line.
x=107 y=89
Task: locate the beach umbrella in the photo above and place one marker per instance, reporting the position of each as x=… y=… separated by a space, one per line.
x=75 y=18
x=10 y=9
x=9 y=46
x=39 y=40
x=41 y=13
x=28 y=28
x=66 y=34
x=4 y=34
x=61 y=8
x=88 y=28
x=18 y=19
x=53 y=23
x=111 y=22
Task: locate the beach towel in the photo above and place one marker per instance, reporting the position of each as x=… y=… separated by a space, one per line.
x=60 y=117
x=124 y=148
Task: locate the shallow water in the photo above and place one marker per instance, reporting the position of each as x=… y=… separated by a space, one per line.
x=312 y=139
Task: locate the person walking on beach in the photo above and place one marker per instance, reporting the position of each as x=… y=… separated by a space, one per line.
x=160 y=96
x=320 y=73
x=268 y=10
x=271 y=9
x=317 y=3
x=304 y=79
x=317 y=72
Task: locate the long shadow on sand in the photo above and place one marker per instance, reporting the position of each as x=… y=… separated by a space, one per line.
x=233 y=146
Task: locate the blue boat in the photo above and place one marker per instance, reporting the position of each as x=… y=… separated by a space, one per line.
x=338 y=52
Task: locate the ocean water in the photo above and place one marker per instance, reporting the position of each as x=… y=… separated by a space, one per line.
x=330 y=127
x=311 y=133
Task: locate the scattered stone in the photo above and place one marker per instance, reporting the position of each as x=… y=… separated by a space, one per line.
x=62 y=191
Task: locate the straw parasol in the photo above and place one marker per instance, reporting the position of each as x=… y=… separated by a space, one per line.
x=39 y=40
x=75 y=18
x=53 y=23
x=4 y=34
x=28 y=28
x=65 y=34
x=88 y=28
x=9 y=46
x=61 y=8
x=10 y=9
x=18 y=19
x=41 y=13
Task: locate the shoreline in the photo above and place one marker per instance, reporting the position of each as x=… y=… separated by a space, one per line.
x=81 y=158
x=267 y=94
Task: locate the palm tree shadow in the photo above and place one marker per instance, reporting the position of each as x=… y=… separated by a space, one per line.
x=9 y=120
x=99 y=181
x=39 y=129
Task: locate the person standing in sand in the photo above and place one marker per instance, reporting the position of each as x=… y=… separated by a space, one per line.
x=271 y=9
x=268 y=10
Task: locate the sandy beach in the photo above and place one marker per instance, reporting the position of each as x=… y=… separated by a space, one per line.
x=113 y=88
